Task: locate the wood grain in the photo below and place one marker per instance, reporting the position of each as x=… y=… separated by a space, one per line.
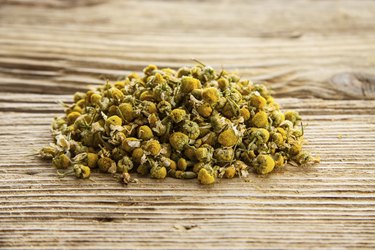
x=317 y=56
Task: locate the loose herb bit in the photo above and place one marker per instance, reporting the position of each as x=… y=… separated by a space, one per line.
x=190 y=123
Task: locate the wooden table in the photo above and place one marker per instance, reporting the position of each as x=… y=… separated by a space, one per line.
x=317 y=56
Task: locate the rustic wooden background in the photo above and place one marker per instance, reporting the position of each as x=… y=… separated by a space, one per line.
x=317 y=56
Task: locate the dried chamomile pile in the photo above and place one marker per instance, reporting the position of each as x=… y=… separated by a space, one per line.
x=191 y=123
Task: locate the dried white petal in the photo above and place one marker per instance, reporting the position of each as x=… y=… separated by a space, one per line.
x=80 y=157
x=62 y=142
x=244 y=173
x=143 y=159
x=104 y=115
x=164 y=150
x=134 y=144
x=96 y=127
x=116 y=128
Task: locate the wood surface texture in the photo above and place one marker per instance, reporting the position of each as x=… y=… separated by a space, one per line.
x=317 y=56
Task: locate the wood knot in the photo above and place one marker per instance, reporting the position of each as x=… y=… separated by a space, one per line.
x=357 y=85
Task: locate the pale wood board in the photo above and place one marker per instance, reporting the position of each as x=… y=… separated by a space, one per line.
x=317 y=56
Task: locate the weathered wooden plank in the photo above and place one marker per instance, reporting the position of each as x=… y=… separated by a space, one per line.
x=285 y=65
x=266 y=18
x=333 y=201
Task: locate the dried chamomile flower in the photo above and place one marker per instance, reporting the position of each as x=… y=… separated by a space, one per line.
x=178 y=115
x=204 y=153
x=184 y=71
x=228 y=138
x=61 y=161
x=183 y=164
x=158 y=172
x=72 y=117
x=295 y=148
x=178 y=140
x=277 y=117
x=130 y=143
x=92 y=159
x=153 y=147
x=223 y=83
x=279 y=160
x=125 y=164
x=257 y=101
x=114 y=120
x=48 y=152
x=95 y=99
x=149 y=108
x=223 y=154
x=145 y=133
x=193 y=122
x=191 y=129
x=204 y=109
x=230 y=172
x=218 y=123
x=245 y=113
x=125 y=110
x=149 y=69
x=116 y=94
x=205 y=177
x=164 y=108
x=305 y=158
x=106 y=164
x=264 y=164
x=138 y=155
x=210 y=95
x=178 y=174
x=188 y=84
x=292 y=116
x=260 y=119
x=82 y=171
x=261 y=135
x=278 y=139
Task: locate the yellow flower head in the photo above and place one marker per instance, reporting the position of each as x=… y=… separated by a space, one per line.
x=145 y=133
x=178 y=140
x=210 y=95
x=116 y=93
x=245 y=113
x=72 y=117
x=126 y=111
x=82 y=171
x=153 y=146
x=61 y=161
x=137 y=155
x=258 y=101
x=150 y=69
x=106 y=164
x=260 y=119
x=204 y=109
x=114 y=120
x=205 y=177
x=264 y=164
x=158 y=172
x=178 y=115
x=228 y=138
x=95 y=98
x=92 y=159
x=230 y=172
x=292 y=116
x=279 y=160
x=130 y=143
x=188 y=84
